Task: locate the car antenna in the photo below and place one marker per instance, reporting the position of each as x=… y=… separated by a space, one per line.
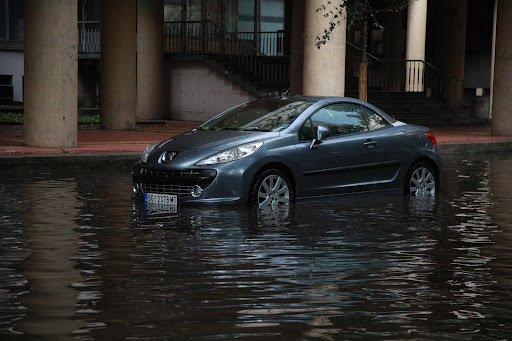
x=284 y=94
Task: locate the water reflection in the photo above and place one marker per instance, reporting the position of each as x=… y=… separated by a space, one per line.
x=351 y=268
x=51 y=241
x=311 y=270
x=108 y=284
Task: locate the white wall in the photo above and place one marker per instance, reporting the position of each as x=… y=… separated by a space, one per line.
x=11 y=63
x=197 y=93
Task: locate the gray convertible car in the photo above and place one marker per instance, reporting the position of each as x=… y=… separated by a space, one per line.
x=275 y=151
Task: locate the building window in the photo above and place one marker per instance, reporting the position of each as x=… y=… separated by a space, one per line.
x=173 y=11
x=11 y=20
x=89 y=10
x=194 y=10
x=89 y=16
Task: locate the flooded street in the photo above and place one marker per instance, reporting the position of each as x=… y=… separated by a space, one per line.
x=79 y=259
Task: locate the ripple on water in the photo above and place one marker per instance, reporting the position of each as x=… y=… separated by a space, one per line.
x=347 y=268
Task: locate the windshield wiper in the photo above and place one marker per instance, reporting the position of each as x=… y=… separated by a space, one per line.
x=256 y=129
x=235 y=129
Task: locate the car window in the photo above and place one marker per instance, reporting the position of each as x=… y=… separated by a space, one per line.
x=342 y=119
x=374 y=120
x=306 y=131
x=269 y=114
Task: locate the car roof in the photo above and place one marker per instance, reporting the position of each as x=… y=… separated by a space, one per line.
x=323 y=100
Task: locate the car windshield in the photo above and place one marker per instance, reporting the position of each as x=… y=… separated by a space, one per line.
x=271 y=114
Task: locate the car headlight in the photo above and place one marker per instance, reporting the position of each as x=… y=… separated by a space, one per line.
x=147 y=151
x=232 y=154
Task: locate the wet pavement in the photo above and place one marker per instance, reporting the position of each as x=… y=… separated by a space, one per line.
x=93 y=140
x=80 y=259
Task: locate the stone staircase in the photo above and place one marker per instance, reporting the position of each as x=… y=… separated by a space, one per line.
x=416 y=108
x=243 y=78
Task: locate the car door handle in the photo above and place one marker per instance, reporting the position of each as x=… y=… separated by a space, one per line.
x=370 y=143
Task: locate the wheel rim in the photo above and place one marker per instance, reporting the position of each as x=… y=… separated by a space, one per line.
x=423 y=182
x=273 y=192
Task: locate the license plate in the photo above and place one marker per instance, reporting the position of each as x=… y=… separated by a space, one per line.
x=161 y=201
x=151 y=206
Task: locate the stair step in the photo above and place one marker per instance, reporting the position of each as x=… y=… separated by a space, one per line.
x=239 y=76
x=416 y=108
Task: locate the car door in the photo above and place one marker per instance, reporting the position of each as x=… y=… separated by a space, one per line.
x=393 y=143
x=347 y=160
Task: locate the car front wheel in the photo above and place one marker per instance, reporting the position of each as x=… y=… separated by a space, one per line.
x=421 y=181
x=272 y=190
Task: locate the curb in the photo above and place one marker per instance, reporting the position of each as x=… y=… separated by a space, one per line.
x=36 y=163
x=473 y=148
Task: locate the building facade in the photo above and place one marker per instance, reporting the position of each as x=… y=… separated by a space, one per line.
x=189 y=59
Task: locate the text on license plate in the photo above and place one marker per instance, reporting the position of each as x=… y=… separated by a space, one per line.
x=166 y=199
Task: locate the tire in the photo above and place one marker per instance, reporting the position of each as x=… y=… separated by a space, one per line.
x=421 y=181
x=271 y=190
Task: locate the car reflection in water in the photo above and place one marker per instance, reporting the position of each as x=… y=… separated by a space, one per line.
x=274 y=151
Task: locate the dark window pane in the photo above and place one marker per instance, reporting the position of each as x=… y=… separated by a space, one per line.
x=4 y=19
x=340 y=119
x=306 y=132
x=265 y=115
x=374 y=120
x=173 y=10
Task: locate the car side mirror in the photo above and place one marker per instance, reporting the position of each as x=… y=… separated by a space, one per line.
x=322 y=132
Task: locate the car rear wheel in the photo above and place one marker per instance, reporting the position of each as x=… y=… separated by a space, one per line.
x=421 y=181
x=272 y=190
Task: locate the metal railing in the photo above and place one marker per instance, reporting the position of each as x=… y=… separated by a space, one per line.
x=194 y=37
x=262 y=59
x=269 y=43
x=89 y=37
x=400 y=75
x=202 y=37
x=259 y=57
x=89 y=41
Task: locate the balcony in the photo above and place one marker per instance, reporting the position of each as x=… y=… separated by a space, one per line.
x=89 y=39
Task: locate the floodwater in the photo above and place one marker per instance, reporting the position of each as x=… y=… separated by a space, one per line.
x=79 y=259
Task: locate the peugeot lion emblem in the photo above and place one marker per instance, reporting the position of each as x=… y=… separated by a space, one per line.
x=168 y=156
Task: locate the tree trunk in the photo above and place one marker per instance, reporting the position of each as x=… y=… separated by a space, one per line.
x=363 y=67
x=363 y=75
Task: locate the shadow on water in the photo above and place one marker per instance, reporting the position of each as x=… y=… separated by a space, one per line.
x=80 y=259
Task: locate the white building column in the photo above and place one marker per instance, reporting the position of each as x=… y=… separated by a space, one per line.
x=324 y=67
x=415 y=45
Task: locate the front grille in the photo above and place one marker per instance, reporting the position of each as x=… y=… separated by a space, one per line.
x=168 y=173
x=179 y=190
x=167 y=181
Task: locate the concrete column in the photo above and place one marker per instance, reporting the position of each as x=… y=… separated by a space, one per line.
x=297 y=48
x=150 y=60
x=118 y=84
x=452 y=49
x=415 y=45
x=502 y=86
x=493 y=54
x=324 y=68
x=51 y=73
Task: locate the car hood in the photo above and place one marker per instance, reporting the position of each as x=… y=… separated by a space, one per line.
x=195 y=145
